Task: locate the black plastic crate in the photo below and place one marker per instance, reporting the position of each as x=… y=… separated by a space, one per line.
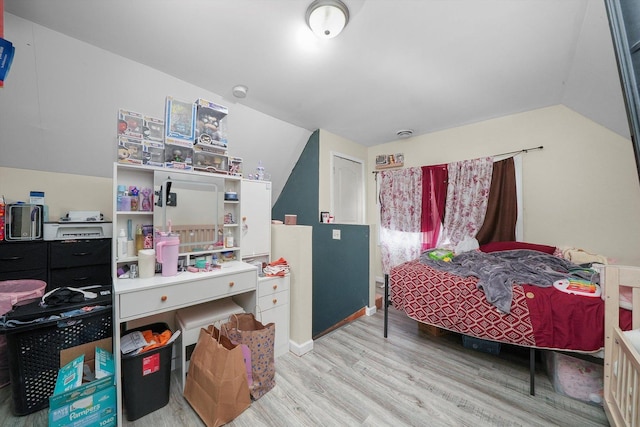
x=34 y=354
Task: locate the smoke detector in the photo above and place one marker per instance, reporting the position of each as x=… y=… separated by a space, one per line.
x=240 y=91
x=404 y=133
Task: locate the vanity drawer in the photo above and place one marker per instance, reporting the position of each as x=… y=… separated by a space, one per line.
x=272 y=286
x=274 y=300
x=169 y=297
x=78 y=253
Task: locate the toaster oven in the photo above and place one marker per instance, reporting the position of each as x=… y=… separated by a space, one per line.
x=23 y=221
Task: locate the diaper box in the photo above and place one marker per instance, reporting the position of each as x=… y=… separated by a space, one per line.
x=85 y=391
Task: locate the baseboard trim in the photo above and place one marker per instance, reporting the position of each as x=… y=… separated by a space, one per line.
x=300 y=349
x=370 y=311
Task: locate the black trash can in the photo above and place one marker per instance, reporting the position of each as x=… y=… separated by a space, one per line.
x=146 y=377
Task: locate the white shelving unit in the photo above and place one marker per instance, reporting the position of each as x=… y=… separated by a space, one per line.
x=202 y=236
x=199 y=217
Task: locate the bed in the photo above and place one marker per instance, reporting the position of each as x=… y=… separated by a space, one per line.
x=537 y=318
x=622 y=358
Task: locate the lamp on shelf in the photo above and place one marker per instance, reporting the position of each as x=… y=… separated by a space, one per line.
x=327 y=18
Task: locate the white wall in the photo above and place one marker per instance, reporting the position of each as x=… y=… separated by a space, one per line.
x=59 y=107
x=581 y=190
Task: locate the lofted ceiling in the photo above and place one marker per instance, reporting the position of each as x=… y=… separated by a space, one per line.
x=425 y=65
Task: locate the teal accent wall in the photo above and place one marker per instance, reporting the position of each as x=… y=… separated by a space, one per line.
x=340 y=267
x=299 y=195
x=340 y=273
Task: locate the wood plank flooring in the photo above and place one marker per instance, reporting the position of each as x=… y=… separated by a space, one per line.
x=354 y=377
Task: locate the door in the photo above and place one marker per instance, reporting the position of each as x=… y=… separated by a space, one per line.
x=347 y=189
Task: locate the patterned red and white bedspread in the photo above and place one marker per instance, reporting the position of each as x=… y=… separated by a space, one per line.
x=540 y=317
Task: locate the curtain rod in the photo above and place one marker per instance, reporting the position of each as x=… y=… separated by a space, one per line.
x=524 y=150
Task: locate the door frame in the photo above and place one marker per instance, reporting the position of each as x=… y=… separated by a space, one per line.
x=334 y=154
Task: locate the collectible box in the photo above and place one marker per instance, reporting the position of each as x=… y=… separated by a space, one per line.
x=153 y=129
x=130 y=150
x=153 y=153
x=180 y=120
x=130 y=124
x=209 y=161
x=235 y=166
x=178 y=154
x=211 y=124
x=85 y=402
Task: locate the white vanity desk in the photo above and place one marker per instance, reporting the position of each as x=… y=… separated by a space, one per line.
x=138 y=298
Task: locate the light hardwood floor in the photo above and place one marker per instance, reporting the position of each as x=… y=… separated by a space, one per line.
x=355 y=377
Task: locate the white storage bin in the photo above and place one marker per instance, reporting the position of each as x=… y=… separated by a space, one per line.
x=190 y=320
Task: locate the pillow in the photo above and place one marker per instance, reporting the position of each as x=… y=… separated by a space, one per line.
x=512 y=245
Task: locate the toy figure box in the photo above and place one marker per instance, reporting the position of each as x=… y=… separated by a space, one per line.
x=205 y=160
x=235 y=166
x=153 y=153
x=130 y=150
x=178 y=154
x=153 y=129
x=211 y=124
x=130 y=124
x=90 y=401
x=180 y=120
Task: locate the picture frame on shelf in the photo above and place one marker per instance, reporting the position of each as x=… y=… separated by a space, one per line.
x=388 y=161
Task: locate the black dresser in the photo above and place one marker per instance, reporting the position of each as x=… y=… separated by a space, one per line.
x=60 y=263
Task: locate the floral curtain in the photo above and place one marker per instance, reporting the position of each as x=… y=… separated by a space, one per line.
x=467 y=195
x=400 y=213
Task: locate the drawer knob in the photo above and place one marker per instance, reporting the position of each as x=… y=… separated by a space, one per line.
x=163 y=298
x=275 y=287
x=231 y=284
x=275 y=300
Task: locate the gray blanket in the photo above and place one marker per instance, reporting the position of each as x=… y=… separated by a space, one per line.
x=497 y=272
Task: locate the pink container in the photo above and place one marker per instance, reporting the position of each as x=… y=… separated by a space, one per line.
x=11 y=293
x=167 y=246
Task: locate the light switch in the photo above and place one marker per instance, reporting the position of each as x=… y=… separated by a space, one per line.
x=336 y=234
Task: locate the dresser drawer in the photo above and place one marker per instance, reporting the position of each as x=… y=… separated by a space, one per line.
x=169 y=297
x=35 y=273
x=23 y=256
x=274 y=300
x=78 y=253
x=80 y=276
x=271 y=286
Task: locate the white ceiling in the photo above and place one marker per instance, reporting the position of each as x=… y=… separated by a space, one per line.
x=425 y=65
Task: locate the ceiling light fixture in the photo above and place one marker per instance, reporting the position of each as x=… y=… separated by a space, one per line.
x=240 y=91
x=327 y=18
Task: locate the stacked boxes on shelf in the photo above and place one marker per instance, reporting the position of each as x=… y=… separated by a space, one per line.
x=210 y=151
x=179 y=133
x=140 y=139
x=153 y=141
x=192 y=136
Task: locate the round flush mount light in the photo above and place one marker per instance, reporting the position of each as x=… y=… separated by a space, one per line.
x=240 y=91
x=327 y=18
x=404 y=133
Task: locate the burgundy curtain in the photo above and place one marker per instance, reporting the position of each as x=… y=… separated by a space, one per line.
x=502 y=209
x=434 y=193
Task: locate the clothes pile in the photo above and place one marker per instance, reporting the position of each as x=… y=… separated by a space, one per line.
x=279 y=267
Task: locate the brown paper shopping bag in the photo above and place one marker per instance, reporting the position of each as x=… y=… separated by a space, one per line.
x=216 y=385
x=246 y=329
